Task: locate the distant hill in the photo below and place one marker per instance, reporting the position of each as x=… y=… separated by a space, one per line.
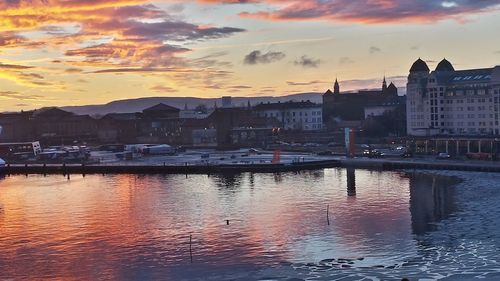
x=137 y=105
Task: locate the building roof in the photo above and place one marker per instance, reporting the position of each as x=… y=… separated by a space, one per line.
x=459 y=77
x=285 y=105
x=419 y=65
x=161 y=107
x=122 y=116
x=51 y=112
x=445 y=65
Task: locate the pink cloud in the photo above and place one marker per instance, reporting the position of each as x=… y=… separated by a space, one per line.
x=366 y=11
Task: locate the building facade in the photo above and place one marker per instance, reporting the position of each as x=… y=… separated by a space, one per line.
x=452 y=102
x=303 y=116
x=350 y=106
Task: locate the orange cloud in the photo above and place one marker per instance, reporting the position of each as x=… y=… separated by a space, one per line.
x=105 y=36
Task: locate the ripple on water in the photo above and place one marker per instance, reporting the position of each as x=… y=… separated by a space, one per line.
x=138 y=227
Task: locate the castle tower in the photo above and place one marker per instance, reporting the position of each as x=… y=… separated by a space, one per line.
x=336 y=87
x=416 y=93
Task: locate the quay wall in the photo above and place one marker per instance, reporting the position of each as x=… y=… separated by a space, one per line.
x=371 y=164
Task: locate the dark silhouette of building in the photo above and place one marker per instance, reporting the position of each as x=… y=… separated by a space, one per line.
x=351 y=106
x=52 y=126
x=17 y=127
x=239 y=126
x=119 y=127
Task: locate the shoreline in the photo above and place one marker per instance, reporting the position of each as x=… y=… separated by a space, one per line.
x=354 y=163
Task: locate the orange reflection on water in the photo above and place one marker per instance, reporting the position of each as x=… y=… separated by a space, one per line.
x=138 y=227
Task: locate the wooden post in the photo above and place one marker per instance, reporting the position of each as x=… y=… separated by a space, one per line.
x=190 y=247
x=327 y=214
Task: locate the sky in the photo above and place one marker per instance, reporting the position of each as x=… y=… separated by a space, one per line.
x=78 y=52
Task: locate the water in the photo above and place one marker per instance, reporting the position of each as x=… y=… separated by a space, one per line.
x=382 y=225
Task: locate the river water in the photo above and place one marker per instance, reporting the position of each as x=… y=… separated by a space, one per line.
x=331 y=224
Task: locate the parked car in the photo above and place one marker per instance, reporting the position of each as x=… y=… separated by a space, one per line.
x=335 y=144
x=373 y=153
x=311 y=144
x=443 y=155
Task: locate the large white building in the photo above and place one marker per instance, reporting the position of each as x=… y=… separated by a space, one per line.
x=304 y=115
x=452 y=102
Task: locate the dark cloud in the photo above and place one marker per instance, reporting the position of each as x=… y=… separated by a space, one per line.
x=163 y=89
x=173 y=30
x=290 y=83
x=307 y=62
x=371 y=11
x=18 y=96
x=257 y=57
x=13 y=66
x=240 y=87
x=73 y=70
x=346 y=60
x=374 y=50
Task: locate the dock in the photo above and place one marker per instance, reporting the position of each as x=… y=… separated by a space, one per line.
x=356 y=163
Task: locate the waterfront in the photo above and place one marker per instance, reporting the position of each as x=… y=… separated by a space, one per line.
x=385 y=225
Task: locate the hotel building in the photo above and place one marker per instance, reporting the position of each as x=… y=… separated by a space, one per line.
x=449 y=102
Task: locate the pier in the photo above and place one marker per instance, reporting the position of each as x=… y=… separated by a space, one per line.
x=356 y=163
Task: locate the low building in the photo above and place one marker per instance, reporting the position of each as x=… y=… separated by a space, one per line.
x=52 y=126
x=378 y=110
x=300 y=116
x=55 y=126
x=17 y=127
x=119 y=128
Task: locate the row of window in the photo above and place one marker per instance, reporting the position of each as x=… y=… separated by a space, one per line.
x=288 y=113
x=305 y=120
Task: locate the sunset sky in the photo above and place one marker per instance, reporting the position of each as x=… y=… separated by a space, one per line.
x=75 y=52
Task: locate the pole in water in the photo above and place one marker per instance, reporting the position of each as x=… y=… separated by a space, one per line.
x=227 y=222
x=327 y=214
x=190 y=247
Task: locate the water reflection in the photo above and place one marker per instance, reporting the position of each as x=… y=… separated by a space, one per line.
x=229 y=182
x=432 y=199
x=351 y=182
x=138 y=227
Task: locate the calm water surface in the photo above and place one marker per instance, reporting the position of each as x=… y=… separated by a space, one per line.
x=381 y=225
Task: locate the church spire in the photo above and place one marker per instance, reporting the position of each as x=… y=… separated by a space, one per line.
x=384 y=85
x=336 y=87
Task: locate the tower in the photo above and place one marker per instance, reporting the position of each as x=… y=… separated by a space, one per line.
x=416 y=116
x=336 y=87
x=384 y=86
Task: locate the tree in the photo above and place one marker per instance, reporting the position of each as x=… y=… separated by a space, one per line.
x=201 y=108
